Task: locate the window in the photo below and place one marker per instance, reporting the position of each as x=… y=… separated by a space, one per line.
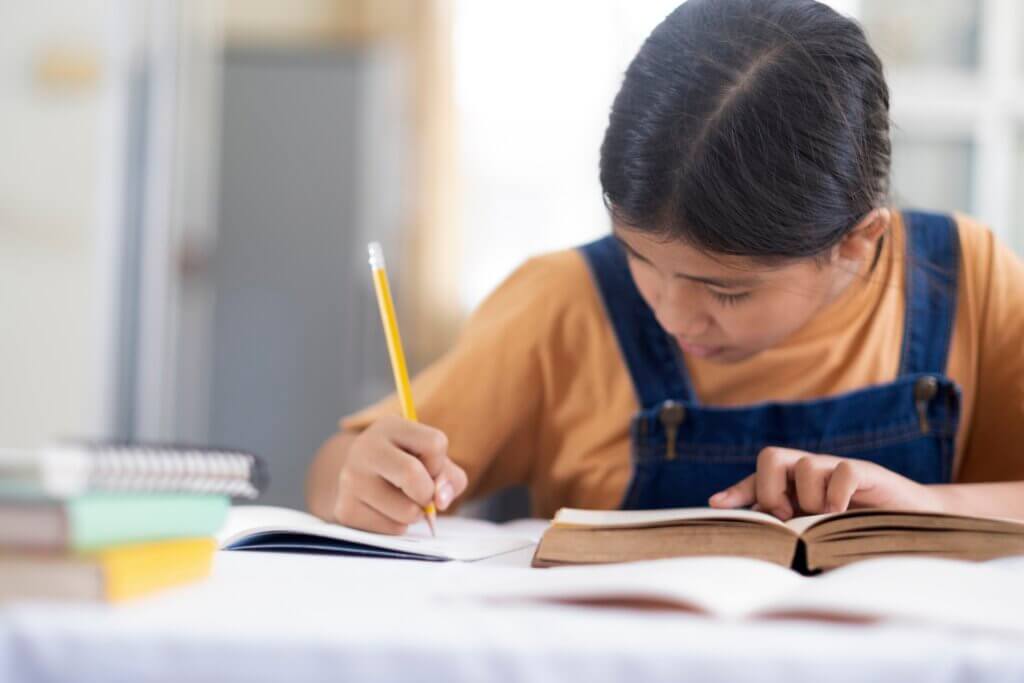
x=535 y=79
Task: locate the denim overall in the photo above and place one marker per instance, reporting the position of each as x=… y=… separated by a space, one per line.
x=683 y=451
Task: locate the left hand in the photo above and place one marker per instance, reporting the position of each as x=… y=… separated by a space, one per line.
x=790 y=482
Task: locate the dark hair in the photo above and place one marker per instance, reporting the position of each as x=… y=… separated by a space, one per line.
x=757 y=128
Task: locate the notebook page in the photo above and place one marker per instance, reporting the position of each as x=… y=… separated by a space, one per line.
x=628 y=518
x=470 y=526
x=454 y=540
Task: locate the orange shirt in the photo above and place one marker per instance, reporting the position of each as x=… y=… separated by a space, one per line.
x=535 y=391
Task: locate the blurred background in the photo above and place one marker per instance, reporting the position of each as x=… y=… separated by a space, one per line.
x=187 y=188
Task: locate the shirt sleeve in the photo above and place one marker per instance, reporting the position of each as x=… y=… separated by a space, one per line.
x=487 y=393
x=995 y=449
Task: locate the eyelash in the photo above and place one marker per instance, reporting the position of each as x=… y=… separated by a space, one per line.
x=724 y=299
x=730 y=299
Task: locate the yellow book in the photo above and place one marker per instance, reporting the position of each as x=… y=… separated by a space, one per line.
x=111 y=574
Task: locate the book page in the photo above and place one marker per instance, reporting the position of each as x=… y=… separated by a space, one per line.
x=802 y=524
x=936 y=591
x=457 y=539
x=724 y=586
x=634 y=518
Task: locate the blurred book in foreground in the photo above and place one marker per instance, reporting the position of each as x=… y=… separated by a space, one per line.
x=114 y=573
x=114 y=521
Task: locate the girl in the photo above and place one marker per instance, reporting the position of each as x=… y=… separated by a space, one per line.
x=759 y=328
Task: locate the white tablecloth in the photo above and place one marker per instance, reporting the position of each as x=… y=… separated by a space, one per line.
x=277 y=617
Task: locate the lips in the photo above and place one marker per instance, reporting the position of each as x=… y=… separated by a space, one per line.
x=699 y=350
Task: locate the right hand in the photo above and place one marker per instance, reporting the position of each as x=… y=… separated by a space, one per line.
x=392 y=470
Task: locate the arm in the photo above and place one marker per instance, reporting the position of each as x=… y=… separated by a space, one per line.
x=483 y=397
x=996 y=499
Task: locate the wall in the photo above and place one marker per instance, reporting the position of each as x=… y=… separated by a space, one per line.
x=53 y=93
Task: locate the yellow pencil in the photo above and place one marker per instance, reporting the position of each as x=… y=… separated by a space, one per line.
x=394 y=340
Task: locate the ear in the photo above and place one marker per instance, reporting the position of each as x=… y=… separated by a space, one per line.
x=860 y=243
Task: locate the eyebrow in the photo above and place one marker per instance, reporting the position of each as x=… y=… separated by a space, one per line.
x=725 y=283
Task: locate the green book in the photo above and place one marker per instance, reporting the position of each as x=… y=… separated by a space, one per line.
x=98 y=520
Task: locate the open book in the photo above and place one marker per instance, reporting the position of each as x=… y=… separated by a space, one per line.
x=940 y=592
x=807 y=544
x=263 y=527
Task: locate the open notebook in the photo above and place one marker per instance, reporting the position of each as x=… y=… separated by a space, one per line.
x=807 y=544
x=263 y=527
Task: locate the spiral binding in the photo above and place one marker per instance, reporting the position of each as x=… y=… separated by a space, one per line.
x=146 y=467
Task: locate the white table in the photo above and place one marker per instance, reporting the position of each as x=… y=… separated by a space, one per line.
x=278 y=617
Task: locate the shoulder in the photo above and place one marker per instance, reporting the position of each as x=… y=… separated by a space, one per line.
x=988 y=265
x=976 y=239
x=539 y=293
x=563 y=271
x=980 y=251
x=991 y=280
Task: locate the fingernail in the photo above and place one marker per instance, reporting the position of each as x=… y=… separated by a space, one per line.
x=445 y=493
x=719 y=497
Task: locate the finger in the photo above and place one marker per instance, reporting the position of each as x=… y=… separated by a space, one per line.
x=811 y=475
x=740 y=494
x=383 y=497
x=450 y=485
x=426 y=443
x=772 y=482
x=405 y=472
x=841 y=487
x=355 y=513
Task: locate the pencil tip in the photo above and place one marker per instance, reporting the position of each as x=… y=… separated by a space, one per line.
x=430 y=525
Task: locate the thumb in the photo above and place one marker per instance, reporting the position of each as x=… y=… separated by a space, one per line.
x=740 y=494
x=450 y=484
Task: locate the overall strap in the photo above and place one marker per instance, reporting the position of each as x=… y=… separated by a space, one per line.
x=933 y=261
x=654 y=361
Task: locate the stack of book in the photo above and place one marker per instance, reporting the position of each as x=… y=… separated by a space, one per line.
x=111 y=522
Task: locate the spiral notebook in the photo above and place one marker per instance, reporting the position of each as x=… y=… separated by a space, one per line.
x=72 y=469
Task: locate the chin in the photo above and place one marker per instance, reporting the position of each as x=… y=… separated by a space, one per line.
x=733 y=355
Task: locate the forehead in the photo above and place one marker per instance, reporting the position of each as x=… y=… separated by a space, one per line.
x=685 y=260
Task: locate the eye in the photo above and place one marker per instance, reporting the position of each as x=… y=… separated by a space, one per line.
x=729 y=299
x=637 y=259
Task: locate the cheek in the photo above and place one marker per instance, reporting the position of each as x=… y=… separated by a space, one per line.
x=767 y=321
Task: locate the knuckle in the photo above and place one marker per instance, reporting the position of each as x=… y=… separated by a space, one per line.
x=771 y=457
x=804 y=466
x=844 y=468
x=409 y=473
x=439 y=442
x=386 y=426
x=414 y=483
x=366 y=445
